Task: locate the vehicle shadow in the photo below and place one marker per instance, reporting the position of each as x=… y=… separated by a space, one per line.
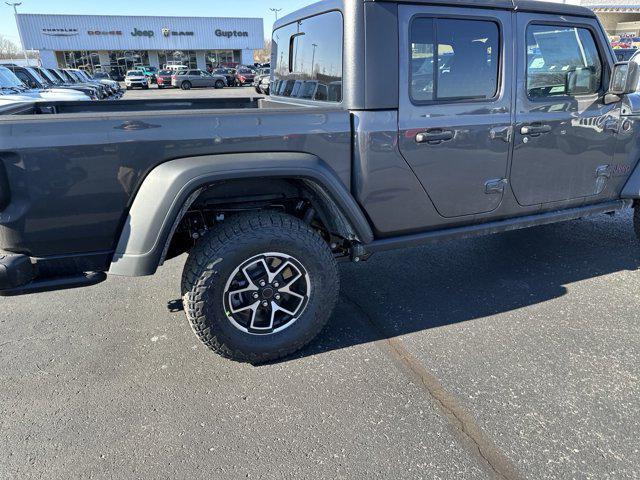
x=411 y=290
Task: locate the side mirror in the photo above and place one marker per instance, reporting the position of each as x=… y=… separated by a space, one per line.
x=624 y=78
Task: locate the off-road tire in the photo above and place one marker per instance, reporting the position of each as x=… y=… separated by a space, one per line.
x=222 y=250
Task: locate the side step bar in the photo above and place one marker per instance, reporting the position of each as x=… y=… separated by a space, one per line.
x=60 y=283
x=495 y=227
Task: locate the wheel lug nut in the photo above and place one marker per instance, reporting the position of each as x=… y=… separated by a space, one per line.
x=262 y=283
x=265 y=303
x=277 y=297
x=255 y=295
x=276 y=284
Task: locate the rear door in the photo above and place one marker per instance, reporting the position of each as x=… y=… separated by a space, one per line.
x=564 y=135
x=455 y=104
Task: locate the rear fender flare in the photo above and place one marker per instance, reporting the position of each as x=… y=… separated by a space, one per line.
x=170 y=189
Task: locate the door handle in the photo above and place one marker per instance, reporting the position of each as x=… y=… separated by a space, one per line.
x=535 y=129
x=434 y=136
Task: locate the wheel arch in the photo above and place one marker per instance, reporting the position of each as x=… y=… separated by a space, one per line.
x=171 y=188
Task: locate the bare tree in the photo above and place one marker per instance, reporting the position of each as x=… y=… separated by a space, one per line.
x=8 y=49
x=264 y=54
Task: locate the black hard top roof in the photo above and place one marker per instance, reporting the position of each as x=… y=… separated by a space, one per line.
x=534 y=6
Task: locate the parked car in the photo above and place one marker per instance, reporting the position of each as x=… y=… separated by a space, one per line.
x=54 y=81
x=135 y=78
x=70 y=79
x=33 y=80
x=624 y=54
x=164 y=79
x=188 y=79
x=102 y=76
x=176 y=67
x=244 y=76
x=113 y=87
x=264 y=88
x=265 y=196
x=150 y=72
x=228 y=73
x=260 y=75
x=10 y=83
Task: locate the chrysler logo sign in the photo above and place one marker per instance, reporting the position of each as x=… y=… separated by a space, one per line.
x=60 y=32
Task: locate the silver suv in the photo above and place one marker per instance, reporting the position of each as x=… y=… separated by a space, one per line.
x=187 y=79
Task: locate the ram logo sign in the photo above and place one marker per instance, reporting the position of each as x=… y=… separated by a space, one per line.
x=231 y=33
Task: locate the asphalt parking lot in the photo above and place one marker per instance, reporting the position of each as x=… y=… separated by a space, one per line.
x=513 y=356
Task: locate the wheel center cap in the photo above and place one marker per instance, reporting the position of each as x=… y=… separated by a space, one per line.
x=267 y=293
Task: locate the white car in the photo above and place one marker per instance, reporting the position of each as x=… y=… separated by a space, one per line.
x=136 y=78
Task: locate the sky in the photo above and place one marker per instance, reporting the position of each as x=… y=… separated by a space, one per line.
x=189 y=8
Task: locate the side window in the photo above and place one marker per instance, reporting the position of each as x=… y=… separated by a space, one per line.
x=24 y=78
x=562 y=61
x=446 y=53
x=307 y=58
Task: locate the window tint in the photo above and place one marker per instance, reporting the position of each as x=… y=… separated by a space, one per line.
x=562 y=61
x=307 y=58
x=447 y=53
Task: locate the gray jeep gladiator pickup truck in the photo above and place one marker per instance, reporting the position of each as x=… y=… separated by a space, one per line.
x=389 y=124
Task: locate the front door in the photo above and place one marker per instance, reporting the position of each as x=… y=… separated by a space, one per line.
x=455 y=104
x=564 y=135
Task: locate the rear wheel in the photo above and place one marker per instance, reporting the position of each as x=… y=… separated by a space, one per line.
x=259 y=287
x=219 y=84
x=186 y=86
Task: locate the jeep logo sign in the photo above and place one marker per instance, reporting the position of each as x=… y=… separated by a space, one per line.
x=231 y=33
x=142 y=33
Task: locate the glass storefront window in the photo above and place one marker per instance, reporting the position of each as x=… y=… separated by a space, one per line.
x=217 y=58
x=177 y=57
x=80 y=59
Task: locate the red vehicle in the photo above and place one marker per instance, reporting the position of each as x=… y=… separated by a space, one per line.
x=164 y=79
x=244 y=76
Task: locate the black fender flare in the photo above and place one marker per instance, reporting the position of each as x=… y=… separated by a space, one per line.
x=170 y=189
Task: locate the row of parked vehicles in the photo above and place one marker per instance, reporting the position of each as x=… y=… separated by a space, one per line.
x=180 y=76
x=19 y=83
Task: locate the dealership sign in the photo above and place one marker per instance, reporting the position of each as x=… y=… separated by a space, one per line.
x=101 y=32
x=167 y=32
x=231 y=33
x=142 y=33
x=60 y=32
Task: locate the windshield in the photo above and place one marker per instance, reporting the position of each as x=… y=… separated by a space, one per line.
x=134 y=73
x=165 y=72
x=36 y=75
x=9 y=80
x=45 y=73
x=64 y=75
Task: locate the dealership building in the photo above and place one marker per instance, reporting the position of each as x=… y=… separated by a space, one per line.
x=117 y=43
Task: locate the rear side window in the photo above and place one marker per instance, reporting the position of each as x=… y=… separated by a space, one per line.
x=562 y=61
x=308 y=58
x=453 y=59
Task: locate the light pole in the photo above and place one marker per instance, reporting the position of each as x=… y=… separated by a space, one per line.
x=15 y=6
x=313 y=58
x=276 y=10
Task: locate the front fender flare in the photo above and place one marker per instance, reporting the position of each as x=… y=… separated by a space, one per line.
x=171 y=187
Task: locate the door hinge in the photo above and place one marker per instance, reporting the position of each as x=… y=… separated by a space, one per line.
x=495 y=186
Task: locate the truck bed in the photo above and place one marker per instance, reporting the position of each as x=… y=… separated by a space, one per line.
x=76 y=167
